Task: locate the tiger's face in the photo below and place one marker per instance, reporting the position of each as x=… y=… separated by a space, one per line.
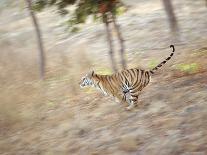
x=87 y=80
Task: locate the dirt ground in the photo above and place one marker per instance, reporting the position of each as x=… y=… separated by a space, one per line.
x=55 y=116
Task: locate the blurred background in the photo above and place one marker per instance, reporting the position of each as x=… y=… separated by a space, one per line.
x=46 y=46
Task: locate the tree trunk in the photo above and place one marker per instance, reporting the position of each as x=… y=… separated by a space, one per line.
x=121 y=41
x=171 y=16
x=109 y=39
x=39 y=39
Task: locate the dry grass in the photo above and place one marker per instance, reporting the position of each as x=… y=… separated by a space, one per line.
x=55 y=116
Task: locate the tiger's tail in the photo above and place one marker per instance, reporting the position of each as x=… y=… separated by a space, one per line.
x=163 y=62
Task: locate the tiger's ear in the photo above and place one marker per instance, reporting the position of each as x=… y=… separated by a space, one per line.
x=91 y=73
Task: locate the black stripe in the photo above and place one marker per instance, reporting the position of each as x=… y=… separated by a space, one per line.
x=122 y=78
x=140 y=81
x=145 y=79
x=168 y=58
x=124 y=74
x=138 y=78
x=127 y=73
x=109 y=83
x=112 y=81
x=99 y=85
x=127 y=83
x=133 y=72
x=125 y=77
x=124 y=98
x=130 y=74
x=134 y=100
x=134 y=96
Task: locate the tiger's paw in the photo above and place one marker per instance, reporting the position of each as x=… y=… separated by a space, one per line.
x=130 y=107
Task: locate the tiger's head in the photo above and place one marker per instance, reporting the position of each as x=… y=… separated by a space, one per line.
x=88 y=80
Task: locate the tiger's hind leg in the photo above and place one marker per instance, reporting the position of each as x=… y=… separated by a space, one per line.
x=131 y=106
x=120 y=98
x=132 y=100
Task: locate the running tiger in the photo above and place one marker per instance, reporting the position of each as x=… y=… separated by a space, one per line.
x=125 y=85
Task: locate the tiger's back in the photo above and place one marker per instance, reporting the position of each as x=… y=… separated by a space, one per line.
x=135 y=77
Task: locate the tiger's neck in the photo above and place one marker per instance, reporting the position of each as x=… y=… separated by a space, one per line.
x=99 y=83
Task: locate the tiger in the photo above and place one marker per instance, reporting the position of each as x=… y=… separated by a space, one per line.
x=125 y=85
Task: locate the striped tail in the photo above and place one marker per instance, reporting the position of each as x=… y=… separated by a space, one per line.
x=162 y=63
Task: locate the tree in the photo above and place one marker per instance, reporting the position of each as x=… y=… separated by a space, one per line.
x=39 y=39
x=109 y=9
x=109 y=39
x=171 y=16
x=121 y=41
x=105 y=9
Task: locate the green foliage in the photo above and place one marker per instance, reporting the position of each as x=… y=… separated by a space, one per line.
x=120 y=10
x=152 y=63
x=96 y=18
x=39 y=5
x=50 y=103
x=89 y=90
x=104 y=71
x=200 y=52
x=188 y=68
x=75 y=29
x=84 y=9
